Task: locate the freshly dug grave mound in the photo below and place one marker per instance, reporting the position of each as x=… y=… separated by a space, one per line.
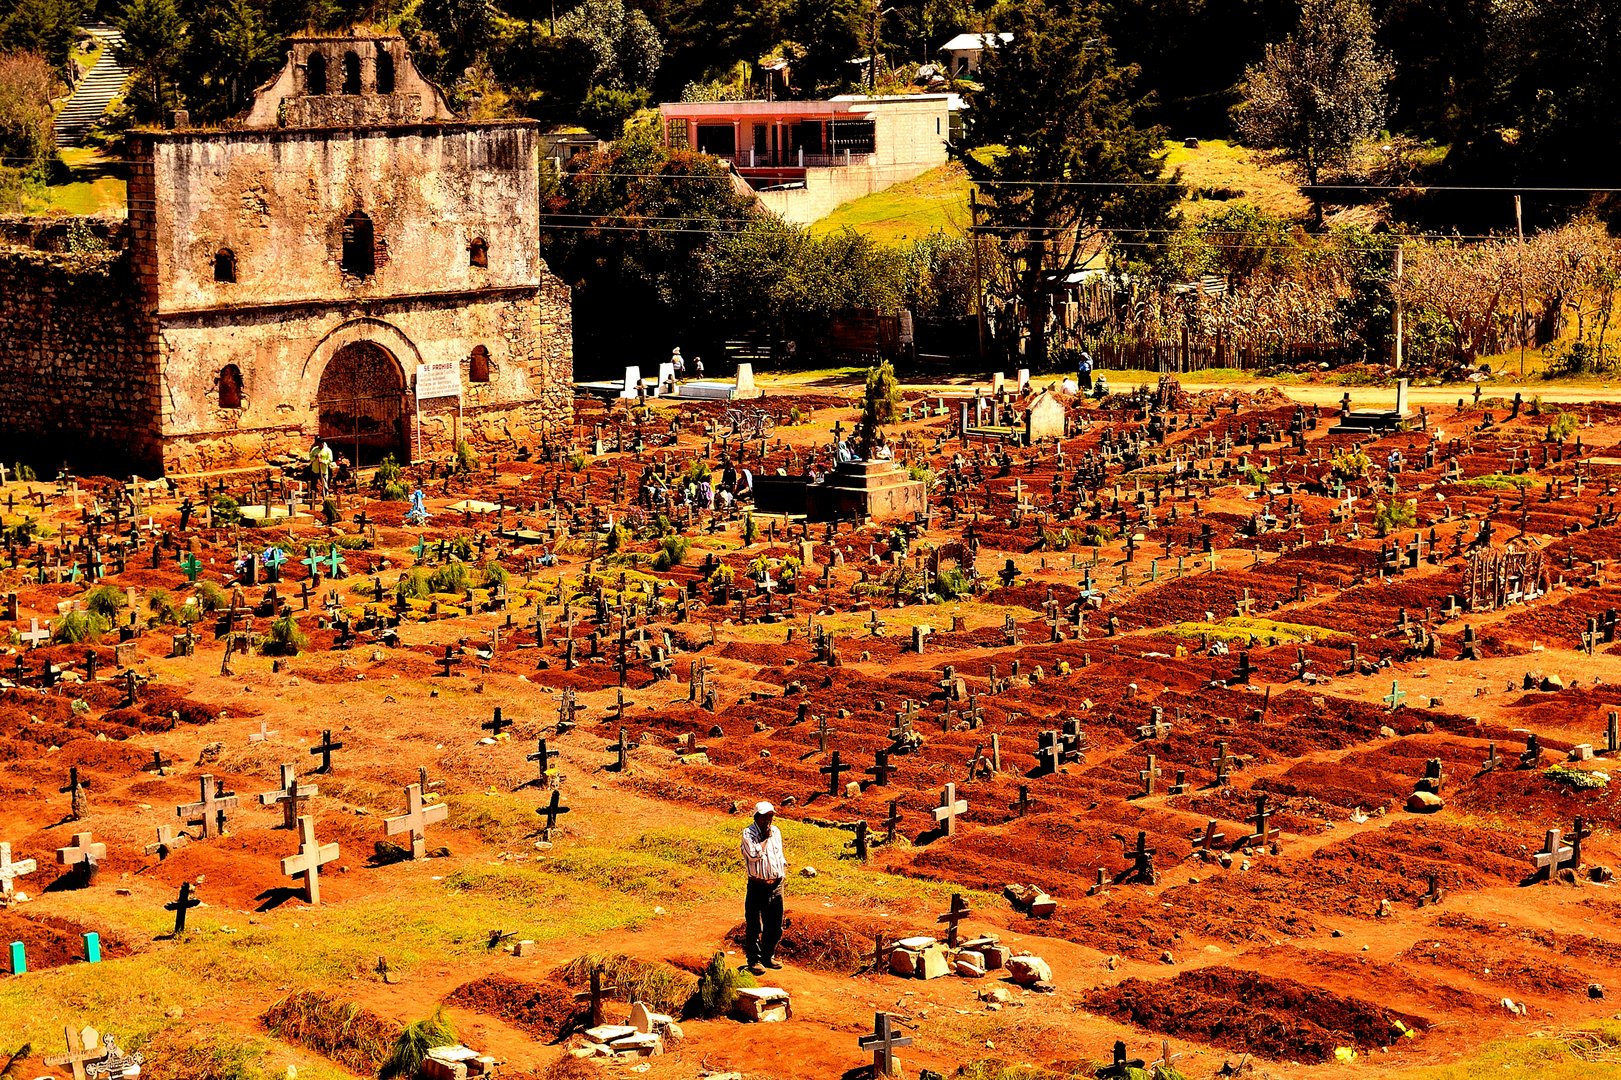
x=354 y=1037
x=839 y=946
x=1249 y=1012
x=546 y=1010
x=50 y=941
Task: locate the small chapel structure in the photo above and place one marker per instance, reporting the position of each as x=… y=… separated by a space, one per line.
x=346 y=262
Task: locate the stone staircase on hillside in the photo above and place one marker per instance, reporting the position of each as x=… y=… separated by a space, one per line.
x=95 y=91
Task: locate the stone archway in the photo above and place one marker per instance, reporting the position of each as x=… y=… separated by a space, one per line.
x=361 y=404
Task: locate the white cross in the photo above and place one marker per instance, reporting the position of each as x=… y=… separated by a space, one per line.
x=416 y=820
x=10 y=871
x=82 y=851
x=262 y=735
x=950 y=806
x=309 y=860
x=290 y=792
x=35 y=636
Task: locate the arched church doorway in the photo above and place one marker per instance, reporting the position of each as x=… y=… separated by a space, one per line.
x=361 y=403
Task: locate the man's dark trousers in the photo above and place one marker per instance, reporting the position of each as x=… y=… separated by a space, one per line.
x=762 y=912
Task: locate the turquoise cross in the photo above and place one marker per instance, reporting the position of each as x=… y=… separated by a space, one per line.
x=274 y=558
x=191 y=566
x=334 y=562
x=313 y=561
x=1395 y=697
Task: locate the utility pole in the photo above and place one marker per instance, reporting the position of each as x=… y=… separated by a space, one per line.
x=1519 y=227
x=979 y=274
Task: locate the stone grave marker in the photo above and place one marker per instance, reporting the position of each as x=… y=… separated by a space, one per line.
x=210 y=809
x=308 y=861
x=416 y=819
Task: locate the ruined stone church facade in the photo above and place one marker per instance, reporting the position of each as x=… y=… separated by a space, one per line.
x=348 y=262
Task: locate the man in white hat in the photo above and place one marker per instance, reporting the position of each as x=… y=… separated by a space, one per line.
x=762 y=907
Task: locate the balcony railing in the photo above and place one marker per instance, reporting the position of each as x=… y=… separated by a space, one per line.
x=750 y=159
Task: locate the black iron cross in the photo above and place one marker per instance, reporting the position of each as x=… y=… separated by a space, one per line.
x=833 y=769
x=543 y=756
x=496 y=724
x=551 y=810
x=180 y=905
x=324 y=749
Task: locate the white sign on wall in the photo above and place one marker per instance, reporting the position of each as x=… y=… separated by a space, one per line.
x=439 y=379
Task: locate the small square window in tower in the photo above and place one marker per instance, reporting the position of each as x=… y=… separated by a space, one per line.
x=478 y=365
x=359 y=246
x=478 y=252
x=225 y=266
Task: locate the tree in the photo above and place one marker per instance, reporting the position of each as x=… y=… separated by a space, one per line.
x=237 y=51
x=27 y=85
x=623 y=47
x=1058 y=155
x=47 y=27
x=1319 y=91
x=154 y=42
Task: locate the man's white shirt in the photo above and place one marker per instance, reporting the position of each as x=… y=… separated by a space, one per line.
x=763 y=855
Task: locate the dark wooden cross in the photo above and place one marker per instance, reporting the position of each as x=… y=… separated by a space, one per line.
x=959 y=911
x=447 y=661
x=290 y=796
x=881 y=769
x=551 y=810
x=1262 y=834
x=833 y=769
x=1120 y=1068
x=210 y=808
x=883 y=1042
x=1207 y=840
x=892 y=821
x=180 y=905
x=1142 y=859
x=75 y=791
x=496 y=724
x=324 y=749
x=1222 y=763
x=622 y=749
x=158 y=763
x=595 y=995
x=544 y=757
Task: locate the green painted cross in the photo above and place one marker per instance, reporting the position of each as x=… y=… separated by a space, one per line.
x=1395 y=697
x=191 y=566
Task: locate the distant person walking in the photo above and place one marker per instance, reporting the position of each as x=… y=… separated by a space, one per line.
x=679 y=364
x=762 y=907
x=1086 y=371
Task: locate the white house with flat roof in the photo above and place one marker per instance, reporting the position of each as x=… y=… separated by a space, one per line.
x=803 y=158
x=964 y=51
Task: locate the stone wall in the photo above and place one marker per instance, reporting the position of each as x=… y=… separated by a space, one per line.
x=76 y=378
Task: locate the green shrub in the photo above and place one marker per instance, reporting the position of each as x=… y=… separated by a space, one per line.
x=347 y=542
x=393 y=493
x=1577 y=778
x=495 y=575
x=722 y=575
x=618 y=537
x=162 y=607
x=1056 y=541
x=675 y=549
x=750 y=529
x=953 y=583
x=106 y=601
x=1098 y=534
x=1563 y=427
x=387 y=480
x=226 y=510
x=1388 y=517
x=1253 y=475
x=329 y=512
x=210 y=597
x=718 y=987
x=1350 y=464
x=795 y=417
x=78 y=627
x=661 y=561
x=453 y=577
x=466 y=456
x=577 y=461
x=412 y=1047
x=696 y=472
x=414 y=584
x=284 y=638
x=920 y=472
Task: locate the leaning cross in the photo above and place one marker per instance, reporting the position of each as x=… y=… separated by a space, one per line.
x=325 y=750
x=309 y=860
x=289 y=795
x=950 y=806
x=10 y=871
x=1395 y=697
x=415 y=820
x=82 y=855
x=959 y=911
x=180 y=905
x=551 y=810
x=210 y=807
x=82 y=1047
x=595 y=995
x=1552 y=856
x=883 y=1043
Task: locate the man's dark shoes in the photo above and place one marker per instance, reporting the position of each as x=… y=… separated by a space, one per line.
x=773 y=964
x=756 y=968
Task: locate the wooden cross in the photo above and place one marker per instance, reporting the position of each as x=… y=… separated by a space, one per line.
x=10 y=871
x=1552 y=856
x=496 y=724
x=82 y=1047
x=1119 y=1068
x=74 y=790
x=180 y=905
x=892 y=821
x=544 y=757
x=1207 y=840
x=950 y=806
x=833 y=769
x=881 y=769
x=1222 y=763
x=309 y=860
x=415 y=820
x=324 y=749
x=883 y=1042
x=622 y=749
x=551 y=810
x=1262 y=833
x=158 y=763
x=822 y=732
x=1577 y=834
x=1142 y=858
x=210 y=807
x=1395 y=697
x=289 y=795
x=959 y=911
x=595 y=996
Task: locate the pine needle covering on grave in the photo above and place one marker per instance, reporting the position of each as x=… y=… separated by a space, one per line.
x=545 y=1010
x=355 y=1038
x=839 y=946
x=412 y=1047
x=664 y=988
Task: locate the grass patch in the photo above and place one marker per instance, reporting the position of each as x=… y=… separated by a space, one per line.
x=936 y=201
x=1498 y=482
x=1218 y=172
x=665 y=989
x=1243 y=629
x=1579 y=1055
